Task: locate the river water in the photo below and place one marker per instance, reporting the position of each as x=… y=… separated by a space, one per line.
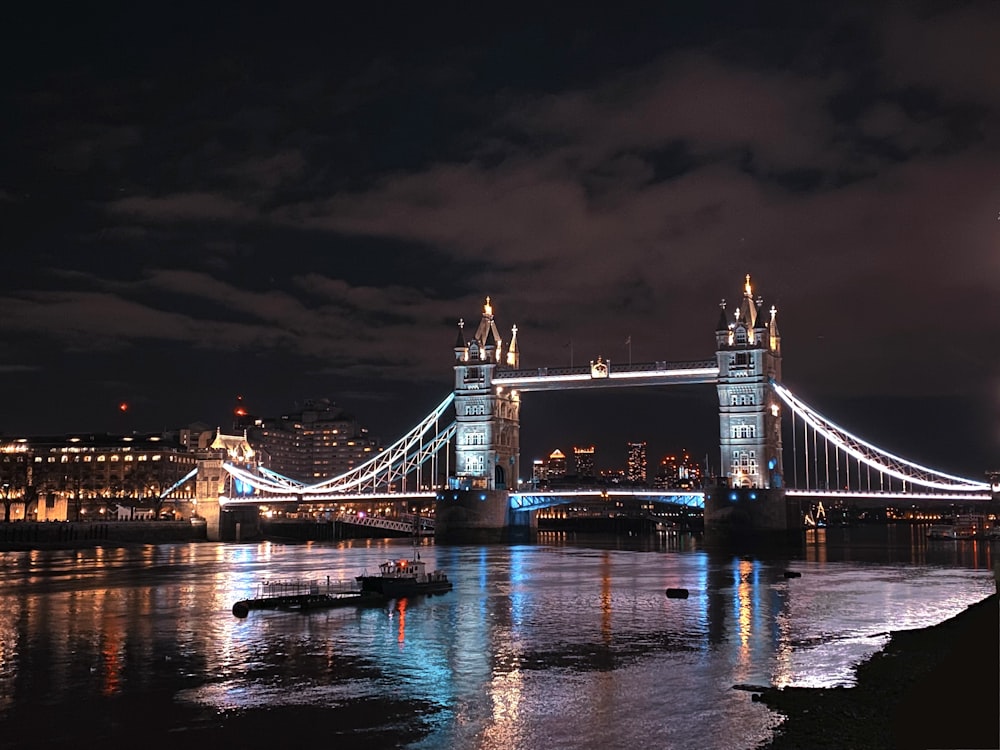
x=566 y=643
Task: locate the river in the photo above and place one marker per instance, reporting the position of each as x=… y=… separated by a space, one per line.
x=566 y=643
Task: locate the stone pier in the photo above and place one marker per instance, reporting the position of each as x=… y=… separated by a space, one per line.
x=480 y=516
x=745 y=512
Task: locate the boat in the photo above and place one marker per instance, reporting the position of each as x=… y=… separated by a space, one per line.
x=966 y=527
x=400 y=578
x=296 y=595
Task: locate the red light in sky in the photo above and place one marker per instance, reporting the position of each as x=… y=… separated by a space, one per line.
x=123 y=407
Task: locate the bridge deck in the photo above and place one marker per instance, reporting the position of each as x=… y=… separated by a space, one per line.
x=584 y=376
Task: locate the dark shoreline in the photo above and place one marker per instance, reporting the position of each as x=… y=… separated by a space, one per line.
x=936 y=687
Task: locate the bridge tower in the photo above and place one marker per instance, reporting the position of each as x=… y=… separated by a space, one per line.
x=487 y=441
x=750 y=486
x=210 y=484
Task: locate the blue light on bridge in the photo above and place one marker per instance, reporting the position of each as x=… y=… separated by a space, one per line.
x=242 y=488
x=733 y=496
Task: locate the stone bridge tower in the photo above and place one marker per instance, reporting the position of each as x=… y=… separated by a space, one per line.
x=487 y=447
x=749 y=494
x=748 y=348
x=487 y=440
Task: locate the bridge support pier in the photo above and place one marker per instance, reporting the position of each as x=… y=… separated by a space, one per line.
x=210 y=510
x=232 y=525
x=479 y=516
x=745 y=513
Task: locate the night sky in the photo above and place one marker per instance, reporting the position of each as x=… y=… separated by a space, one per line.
x=212 y=200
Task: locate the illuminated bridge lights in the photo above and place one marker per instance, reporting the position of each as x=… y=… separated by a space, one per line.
x=655 y=373
x=874 y=457
x=870 y=494
x=384 y=476
x=536 y=500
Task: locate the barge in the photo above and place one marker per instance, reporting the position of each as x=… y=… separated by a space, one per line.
x=296 y=595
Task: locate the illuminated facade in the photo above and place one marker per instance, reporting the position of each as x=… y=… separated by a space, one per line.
x=583 y=460
x=749 y=356
x=319 y=442
x=635 y=464
x=79 y=477
x=679 y=472
x=556 y=465
x=487 y=447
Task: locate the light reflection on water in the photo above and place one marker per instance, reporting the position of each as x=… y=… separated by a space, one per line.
x=558 y=644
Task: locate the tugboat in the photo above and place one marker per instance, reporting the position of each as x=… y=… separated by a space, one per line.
x=399 y=578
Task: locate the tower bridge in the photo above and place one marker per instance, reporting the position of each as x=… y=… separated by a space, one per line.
x=466 y=453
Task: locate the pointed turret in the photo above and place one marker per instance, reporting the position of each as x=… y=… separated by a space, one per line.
x=723 y=324
x=513 y=356
x=490 y=343
x=722 y=327
x=747 y=313
x=461 y=348
x=773 y=336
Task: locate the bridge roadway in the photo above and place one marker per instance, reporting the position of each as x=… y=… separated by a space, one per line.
x=533 y=500
x=537 y=499
x=590 y=375
x=527 y=500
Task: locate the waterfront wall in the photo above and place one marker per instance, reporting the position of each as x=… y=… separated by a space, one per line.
x=291 y=530
x=68 y=534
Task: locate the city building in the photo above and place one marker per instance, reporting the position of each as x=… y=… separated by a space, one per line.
x=537 y=472
x=635 y=464
x=555 y=466
x=678 y=472
x=317 y=442
x=80 y=476
x=583 y=460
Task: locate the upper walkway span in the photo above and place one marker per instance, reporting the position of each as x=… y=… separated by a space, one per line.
x=602 y=373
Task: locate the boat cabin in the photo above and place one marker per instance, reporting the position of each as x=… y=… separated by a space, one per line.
x=403 y=569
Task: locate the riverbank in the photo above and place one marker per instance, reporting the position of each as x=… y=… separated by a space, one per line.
x=30 y=535
x=937 y=687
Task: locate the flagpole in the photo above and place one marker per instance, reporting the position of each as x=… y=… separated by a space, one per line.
x=628 y=343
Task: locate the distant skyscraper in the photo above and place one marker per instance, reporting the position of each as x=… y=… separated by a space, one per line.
x=583 y=459
x=556 y=465
x=537 y=471
x=635 y=470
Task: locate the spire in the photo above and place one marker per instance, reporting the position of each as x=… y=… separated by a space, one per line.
x=461 y=346
x=747 y=314
x=773 y=337
x=723 y=324
x=487 y=334
x=513 y=356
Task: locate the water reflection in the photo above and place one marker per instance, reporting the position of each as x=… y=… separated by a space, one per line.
x=555 y=645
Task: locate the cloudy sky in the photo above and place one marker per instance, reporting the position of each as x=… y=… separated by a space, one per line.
x=206 y=201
